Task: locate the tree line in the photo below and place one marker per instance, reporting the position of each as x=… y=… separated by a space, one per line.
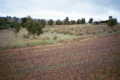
x=35 y=26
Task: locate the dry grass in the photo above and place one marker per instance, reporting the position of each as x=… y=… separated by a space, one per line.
x=79 y=29
x=52 y=34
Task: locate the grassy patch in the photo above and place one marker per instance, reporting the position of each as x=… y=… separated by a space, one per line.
x=43 y=39
x=52 y=34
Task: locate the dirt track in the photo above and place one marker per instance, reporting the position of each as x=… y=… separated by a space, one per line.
x=94 y=59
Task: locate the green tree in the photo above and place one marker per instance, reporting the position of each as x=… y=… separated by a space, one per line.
x=72 y=22
x=26 y=21
x=112 y=21
x=83 y=21
x=42 y=22
x=90 y=21
x=78 y=21
x=33 y=26
x=59 y=22
x=50 y=22
x=66 y=20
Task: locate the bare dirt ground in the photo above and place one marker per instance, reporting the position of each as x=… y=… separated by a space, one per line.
x=93 y=59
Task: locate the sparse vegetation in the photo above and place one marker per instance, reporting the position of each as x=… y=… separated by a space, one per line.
x=35 y=28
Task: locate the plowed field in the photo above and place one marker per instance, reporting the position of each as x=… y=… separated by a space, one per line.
x=93 y=59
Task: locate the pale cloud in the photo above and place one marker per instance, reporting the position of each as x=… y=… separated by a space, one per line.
x=58 y=9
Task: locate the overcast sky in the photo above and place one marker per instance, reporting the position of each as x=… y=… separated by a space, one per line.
x=59 y=9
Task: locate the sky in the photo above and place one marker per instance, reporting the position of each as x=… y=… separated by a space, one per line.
x=59 y=9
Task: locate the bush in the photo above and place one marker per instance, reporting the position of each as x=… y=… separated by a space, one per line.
x=83 y=21
x=90 y=21
x=9 y=22
x=50 y=22
x=78 y=21
x=33 y=26
x=112 y=21
x=72 y=22
x=42 y=21
x=59 y=22
x=66 y=20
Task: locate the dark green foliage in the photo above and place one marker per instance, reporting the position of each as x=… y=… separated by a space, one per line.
x=66 y=20
x=59 y=22
x=42 y=22
x=112 y=21
x=72 y=22
x=33 y=26
x=26 y=21
x=90 y=21
x=50 y=22
x=78 y=21
x=4 y=24
x=83 y=21
x=9 y=22
x=16 y=26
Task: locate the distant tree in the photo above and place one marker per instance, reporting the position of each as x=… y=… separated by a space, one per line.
x=66 y=20
x=33 y=26
x=72 y=22
x=78 y=21
x=50 y=22
x=26 y=21
x=83 y=21
x=112 y=21
x=59 y=22
x=9 y=22
x=90 y=21
x=3 y=23
x=42 y=21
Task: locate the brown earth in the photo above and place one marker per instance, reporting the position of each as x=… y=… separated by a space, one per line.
x=92 y=59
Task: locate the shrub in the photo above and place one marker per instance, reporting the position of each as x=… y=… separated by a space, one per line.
x=72 y=22
x=90 y=21
x=112 y=21
x=59 y=22
x=66 y=20
x=33 y=26
x=50 y=22
x=78 y=21
x=83 y=21
x=42 y=21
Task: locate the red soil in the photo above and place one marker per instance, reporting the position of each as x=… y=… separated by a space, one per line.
x=93 y=59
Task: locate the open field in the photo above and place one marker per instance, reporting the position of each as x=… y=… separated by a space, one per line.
x=93 y=59
x=59 y=40
x=52 y=34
